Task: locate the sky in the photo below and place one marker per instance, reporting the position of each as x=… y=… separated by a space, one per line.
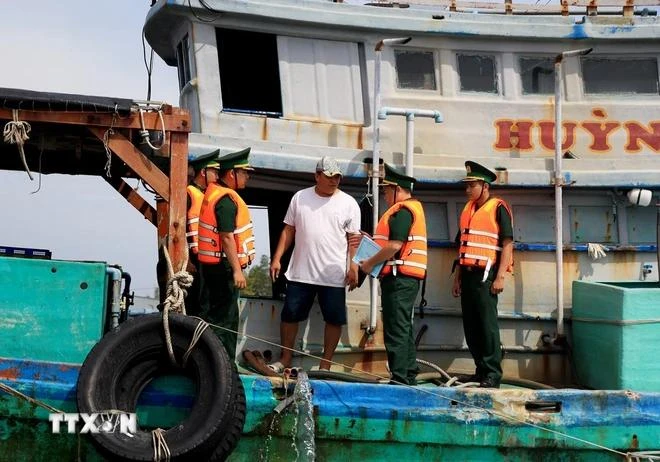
x=92 y=48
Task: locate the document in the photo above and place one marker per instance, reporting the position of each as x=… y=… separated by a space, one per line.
x=367 y=249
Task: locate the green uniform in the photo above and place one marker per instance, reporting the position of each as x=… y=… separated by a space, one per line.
x=223 y=294
x=479 y=307
x=398 y=297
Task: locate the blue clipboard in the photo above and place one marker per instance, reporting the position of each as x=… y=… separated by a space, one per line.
x=367 y=249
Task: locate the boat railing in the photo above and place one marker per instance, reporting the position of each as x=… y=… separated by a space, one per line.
x=563 y=7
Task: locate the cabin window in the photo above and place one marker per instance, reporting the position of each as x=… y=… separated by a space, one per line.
x=618 y=75
x=415 y=70
x=477 y=73
x=183 y=61
x=537 y=75
x=321 y=80
x=259 y=284
x=249 y=72
x=593 y=224
x=437 y=227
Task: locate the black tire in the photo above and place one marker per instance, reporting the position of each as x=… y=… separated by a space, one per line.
x=233 y=433
x=125 y=360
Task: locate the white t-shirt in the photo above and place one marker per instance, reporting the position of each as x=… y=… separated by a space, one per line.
x=321 y=248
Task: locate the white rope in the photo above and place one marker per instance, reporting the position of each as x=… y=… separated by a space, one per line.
x=161 y=450
x=106 y=144
x=144 y=133
x=18 y=132
x=199 y=330
x=175 y=294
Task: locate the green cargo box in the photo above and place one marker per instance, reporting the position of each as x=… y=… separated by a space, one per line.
x=616 y=335
x=51 y=310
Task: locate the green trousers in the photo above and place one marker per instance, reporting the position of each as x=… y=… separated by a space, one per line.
x=222 y=303
x=197 y=300
x=482 y=333
x=398 y=295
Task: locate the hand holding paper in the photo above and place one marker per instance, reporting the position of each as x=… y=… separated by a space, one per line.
x=367 y=249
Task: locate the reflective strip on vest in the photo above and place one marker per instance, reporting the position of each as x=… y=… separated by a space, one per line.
x=483 y=246
x=489 y=263
x=481 y=233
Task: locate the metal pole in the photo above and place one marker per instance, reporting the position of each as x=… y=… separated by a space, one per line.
x=375 y=170
x=559 y=183
x=410 y=142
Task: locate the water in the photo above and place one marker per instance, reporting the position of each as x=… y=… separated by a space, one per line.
x=303 y=438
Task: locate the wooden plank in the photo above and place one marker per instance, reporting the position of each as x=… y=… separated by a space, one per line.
x=133 y=198
x=178 y=119
x=137 y=161
x=177 y=244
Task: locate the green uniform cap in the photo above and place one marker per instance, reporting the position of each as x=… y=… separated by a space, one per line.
x=477 y=172
x=392 y=177
x=204 y=161
x=235 y=160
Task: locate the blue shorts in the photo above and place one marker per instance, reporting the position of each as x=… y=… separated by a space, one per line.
x=300 y=298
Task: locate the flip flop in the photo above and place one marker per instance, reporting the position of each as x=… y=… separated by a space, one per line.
x=258 y=365
x=276 y=367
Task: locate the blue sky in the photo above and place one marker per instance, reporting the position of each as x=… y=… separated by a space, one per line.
x=85 y=47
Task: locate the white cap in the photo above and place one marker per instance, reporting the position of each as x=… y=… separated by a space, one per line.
x=328 y=166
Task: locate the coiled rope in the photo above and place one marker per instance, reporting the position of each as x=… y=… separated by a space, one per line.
x=18 y=132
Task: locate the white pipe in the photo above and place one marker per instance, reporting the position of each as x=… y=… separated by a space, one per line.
x=559 y=183
x=115 y=278
x=410 y=115
x=375 y=170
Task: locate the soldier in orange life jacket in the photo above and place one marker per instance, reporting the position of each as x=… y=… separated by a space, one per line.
x=485 y=241
x=202 y=171
x=401 y=233
x=226 y=244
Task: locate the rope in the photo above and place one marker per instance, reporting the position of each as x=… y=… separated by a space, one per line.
x=144 y=133
x=453 y=399
x=199 y=330
x=12 y=391
x=106 y=144
x=18 y=132
x=175 y=294
x=161 y=450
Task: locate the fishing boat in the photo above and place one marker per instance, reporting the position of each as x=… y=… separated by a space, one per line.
x=424 y=87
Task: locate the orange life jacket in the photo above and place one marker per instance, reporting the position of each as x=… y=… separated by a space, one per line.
x=411 y=258
x=196 y=196
x=480 y=235
x=210 y=244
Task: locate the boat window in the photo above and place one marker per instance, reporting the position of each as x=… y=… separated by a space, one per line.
x=537 y=75
x=415 y=69
x=593 y=224
x=477 y=73
x=249 y=72
x=619 y=75
x=183 y=61
x=437 y=227
x=258 y=273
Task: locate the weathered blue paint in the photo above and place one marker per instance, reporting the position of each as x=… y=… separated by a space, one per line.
x=578 y=32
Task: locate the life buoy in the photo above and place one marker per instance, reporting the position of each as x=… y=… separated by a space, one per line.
x=125 y=360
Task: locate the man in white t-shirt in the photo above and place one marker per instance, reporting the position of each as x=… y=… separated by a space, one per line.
x=320 y=219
